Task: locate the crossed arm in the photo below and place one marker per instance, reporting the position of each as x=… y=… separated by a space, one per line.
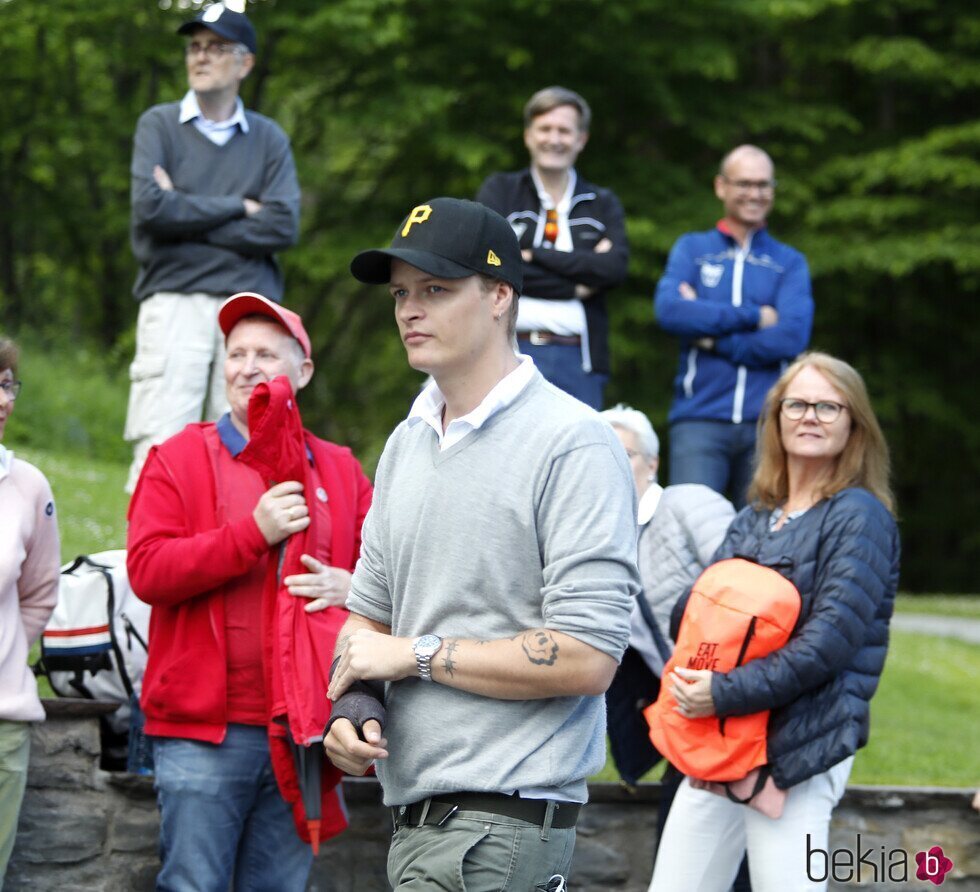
x=259 y=224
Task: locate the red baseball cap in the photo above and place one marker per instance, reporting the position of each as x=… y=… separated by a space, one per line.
x=246 y=303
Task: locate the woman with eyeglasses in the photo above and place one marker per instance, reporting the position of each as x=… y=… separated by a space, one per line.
x=820 y=510
x=29 y=563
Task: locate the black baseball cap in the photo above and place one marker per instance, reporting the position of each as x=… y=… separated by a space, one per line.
x=450 y=238
x=230 y=25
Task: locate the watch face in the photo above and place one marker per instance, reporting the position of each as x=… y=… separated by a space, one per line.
x=427 y=645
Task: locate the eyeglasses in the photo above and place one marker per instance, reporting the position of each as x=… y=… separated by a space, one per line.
x=827 y=411
x=214 y=49
x=763 y=186
x=10 y=388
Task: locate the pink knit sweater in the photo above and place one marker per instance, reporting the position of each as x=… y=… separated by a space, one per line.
x=29 y=564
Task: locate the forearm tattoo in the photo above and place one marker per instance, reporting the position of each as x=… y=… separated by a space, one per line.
x=540 y=647
x=447 y=658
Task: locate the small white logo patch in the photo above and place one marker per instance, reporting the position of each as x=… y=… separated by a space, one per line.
x=711 y=274
x=321 y=493
x=213 y=13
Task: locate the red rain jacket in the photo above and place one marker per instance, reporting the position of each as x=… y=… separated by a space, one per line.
x=180 y=569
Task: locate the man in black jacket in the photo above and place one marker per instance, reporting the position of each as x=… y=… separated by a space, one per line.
x=573 y=241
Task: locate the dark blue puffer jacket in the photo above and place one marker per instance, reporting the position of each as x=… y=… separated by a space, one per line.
x=842 y=555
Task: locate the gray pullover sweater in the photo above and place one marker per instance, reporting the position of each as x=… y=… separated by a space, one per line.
x=528 y=522
x=197 y=238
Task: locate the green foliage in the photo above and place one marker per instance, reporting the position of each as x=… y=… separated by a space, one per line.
x=72 y=398
x=868 y=109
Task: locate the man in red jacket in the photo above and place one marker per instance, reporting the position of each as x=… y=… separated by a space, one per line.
x=203 y=526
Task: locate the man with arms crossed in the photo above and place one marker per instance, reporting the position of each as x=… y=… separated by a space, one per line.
x=214 y=195
x=573 y=243
x=740 y=302
x=496 y=578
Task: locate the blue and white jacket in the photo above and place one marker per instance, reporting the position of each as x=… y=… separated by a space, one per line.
x=729 y=381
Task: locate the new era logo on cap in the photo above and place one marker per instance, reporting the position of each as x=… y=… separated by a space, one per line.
x=450 y=238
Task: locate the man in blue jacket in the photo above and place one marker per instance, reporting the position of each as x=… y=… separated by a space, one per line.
x=741 y=304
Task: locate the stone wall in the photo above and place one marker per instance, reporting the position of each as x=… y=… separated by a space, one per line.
x=88 y=830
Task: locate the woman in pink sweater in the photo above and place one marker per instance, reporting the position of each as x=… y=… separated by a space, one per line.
x=29 y=559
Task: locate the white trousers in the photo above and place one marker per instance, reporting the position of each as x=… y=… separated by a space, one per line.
x=706 y=835
x=177 y=376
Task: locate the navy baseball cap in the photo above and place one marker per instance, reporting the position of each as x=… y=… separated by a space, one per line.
x=450 y=238
x=228 y=24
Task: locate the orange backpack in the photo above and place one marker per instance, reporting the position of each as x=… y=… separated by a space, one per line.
x=738 y=611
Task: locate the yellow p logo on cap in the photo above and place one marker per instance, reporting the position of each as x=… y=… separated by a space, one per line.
x=419 y=215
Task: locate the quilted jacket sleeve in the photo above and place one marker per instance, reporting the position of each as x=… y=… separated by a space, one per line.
x=856 y=570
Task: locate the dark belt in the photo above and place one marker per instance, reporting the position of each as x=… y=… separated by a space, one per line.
x=542 y=338
x=440 y=810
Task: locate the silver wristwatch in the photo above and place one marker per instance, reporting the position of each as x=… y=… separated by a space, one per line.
x=426 y=647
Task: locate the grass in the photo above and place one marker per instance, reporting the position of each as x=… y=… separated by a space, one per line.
x=74 y=400
x=960 y=606
x=924 y=715
x=91 y=508
x=89 y=497
x=923 y=718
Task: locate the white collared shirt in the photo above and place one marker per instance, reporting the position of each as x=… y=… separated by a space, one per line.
x=648 y=504
x=219 y=132
x=430 y=403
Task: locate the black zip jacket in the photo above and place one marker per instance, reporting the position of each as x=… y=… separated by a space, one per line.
x=595 y=213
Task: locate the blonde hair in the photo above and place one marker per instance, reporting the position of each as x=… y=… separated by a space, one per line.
x=864 y=461
x=488 y=283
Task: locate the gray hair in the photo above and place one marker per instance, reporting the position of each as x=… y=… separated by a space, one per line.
x=634 y=421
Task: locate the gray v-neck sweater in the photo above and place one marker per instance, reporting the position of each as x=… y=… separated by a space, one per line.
x=197 y=238
x=528 y=522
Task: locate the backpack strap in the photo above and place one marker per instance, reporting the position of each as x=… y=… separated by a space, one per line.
x=764 y=772
x=663 y=648
x=116 y=649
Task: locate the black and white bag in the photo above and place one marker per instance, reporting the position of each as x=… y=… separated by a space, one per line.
x=94 y=645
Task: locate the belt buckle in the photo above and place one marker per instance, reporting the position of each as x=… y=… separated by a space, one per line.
x=538 y=339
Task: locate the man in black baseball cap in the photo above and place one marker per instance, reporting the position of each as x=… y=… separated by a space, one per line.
x=214 y=197
x=448 y=237
x=224 y=22
x=495 y=582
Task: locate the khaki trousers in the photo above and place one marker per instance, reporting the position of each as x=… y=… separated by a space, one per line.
x=177 y=376
x=15 y=748
x=480 y=852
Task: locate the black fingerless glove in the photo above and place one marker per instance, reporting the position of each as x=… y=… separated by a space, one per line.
x=361 y=702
